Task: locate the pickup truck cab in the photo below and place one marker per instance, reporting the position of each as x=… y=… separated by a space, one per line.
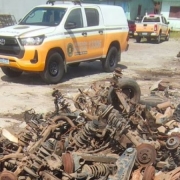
x=52 y=36
x=152 y=26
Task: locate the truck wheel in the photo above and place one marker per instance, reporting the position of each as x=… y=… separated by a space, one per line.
x=10 y=72
x=54 y=69
x=167 y=37
x=129 y=87
x=158 y=40
x=138 y=39
x=110 y=63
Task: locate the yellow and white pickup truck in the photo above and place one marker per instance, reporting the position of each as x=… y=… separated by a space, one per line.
x=152 y=26
x=58 y=34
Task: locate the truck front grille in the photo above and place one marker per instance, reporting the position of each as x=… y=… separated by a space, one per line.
x=9 y=46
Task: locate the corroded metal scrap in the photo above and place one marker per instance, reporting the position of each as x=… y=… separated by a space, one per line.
x=109 y=134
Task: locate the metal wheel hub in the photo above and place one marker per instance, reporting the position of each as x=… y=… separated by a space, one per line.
x=146 y=154
x=112 y=60
x=7 y=175
x=53 y=68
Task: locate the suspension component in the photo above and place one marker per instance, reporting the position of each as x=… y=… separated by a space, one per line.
x=96 y=170
x=83 y=138
x=125 y=163
x=146 y=154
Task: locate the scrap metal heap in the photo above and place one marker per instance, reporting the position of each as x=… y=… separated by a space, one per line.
x=109 y=135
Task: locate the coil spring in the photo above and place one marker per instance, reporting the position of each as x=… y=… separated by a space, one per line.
x=96 y=170
x=45 y=150
x=85 y=135
x=25 y=137
x=115 y=119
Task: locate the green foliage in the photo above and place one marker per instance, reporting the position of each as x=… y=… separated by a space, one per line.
x=175 y=34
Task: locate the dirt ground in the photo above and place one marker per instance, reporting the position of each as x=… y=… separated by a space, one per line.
x=145 y=62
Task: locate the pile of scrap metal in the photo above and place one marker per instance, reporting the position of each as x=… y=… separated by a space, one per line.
x=108 y=134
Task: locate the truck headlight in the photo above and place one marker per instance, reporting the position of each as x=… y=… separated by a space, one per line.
x=32 y=40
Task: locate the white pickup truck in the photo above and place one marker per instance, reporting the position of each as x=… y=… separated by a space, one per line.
x=152 y=26
x=57 y=34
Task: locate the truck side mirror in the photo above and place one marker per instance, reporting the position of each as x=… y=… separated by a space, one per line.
x=70 y=25
x=167 y=23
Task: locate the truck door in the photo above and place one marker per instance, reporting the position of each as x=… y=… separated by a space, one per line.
x=94 y=32
x=75 y=43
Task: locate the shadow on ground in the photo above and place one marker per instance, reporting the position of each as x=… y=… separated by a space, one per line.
x=153 y=41
x=84 y=69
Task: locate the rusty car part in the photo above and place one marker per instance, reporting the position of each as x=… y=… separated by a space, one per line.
x=137 y=174
x=130 y=94
x=149 y=173
x=48 y=175
x=7 y=175
x=125 y=164
x=176 y=113
x=164 y=105
x=171 y=175
x=172 y=142
x=68 y=162
x=146 y=154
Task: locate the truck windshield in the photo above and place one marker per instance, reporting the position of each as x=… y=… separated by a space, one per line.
x=151 y=19
x=44 y=16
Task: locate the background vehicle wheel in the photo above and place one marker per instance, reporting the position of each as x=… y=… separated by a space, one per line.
x=110 y=63
x=138 y=39
x=74 y=64
x=54 y=69
x=129 y=87
x=10 y=72
x=158 y=40
x=167 y=37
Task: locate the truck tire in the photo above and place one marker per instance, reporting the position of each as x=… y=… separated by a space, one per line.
x=158 y=39
x=167 y=37
x=11 y=72
x=129 y=87
x=112 y=58
x=138 y=39
x=54 y=69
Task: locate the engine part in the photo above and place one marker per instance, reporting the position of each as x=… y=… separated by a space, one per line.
x=172 y=143
x=146 y=154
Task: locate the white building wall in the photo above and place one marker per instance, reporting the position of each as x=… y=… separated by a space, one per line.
x=18 y=8
x=174 y=22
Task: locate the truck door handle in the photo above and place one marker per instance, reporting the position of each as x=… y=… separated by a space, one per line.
x=84 y=33
x=100 y=32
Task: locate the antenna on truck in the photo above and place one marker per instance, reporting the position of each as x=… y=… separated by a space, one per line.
x=76 y=2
